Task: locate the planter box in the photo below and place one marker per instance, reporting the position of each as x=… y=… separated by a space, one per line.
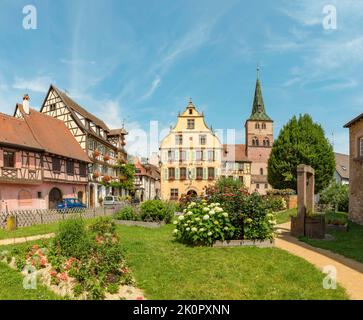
x=140 y=223
x=245 y=243
x=337 y=227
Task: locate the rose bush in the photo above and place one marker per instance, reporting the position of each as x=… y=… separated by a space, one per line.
x=203 y=223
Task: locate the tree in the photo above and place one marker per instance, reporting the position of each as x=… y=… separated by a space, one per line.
x=336 y=195
x=301 y=141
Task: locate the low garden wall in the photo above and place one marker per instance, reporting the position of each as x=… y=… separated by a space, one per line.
x=140 y=223
x=245 y=243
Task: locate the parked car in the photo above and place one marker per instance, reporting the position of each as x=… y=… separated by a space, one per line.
x=70 y=203
x=111 y=201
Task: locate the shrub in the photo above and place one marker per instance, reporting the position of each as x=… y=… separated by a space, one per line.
x=127 y=213
x=275 y=203
x=170 y=209
x=336 y=218
x=103 y=226
x=257 y=220
x=72 y=238
x=152 y=210
x=203 y=224
x=337 y=196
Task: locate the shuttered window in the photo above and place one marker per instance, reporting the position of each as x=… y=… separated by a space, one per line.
x=70 y=168
x=9 y=159
x=56 y=164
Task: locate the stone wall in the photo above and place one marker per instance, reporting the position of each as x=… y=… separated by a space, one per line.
x=356 y=174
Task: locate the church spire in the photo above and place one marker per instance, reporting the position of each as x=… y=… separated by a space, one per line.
x=258 y=108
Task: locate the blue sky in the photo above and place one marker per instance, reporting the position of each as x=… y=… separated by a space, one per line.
x=142 y=60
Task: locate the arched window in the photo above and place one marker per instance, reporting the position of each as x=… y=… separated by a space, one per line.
x=264 y=126
x=261 y=171
x=257 y=126
x=255 y=142
x=25 y=198
x=266 y=142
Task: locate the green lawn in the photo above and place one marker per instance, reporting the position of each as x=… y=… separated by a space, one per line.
x=33 y=230
x=11 y=287
x=169 y=270
x=284 y=216
x=349 y=244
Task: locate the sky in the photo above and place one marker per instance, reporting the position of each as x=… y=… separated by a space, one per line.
x=140 y=61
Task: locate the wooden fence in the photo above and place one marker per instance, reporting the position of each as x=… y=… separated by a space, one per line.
x=26 y=218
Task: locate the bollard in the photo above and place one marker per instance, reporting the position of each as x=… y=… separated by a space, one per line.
x=11 y=223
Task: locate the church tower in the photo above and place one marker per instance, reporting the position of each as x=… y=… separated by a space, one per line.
x=259 y=140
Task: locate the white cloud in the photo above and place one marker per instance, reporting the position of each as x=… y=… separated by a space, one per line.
x=37 y=84
x=154 y=85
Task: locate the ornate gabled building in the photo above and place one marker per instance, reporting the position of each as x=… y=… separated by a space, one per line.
x=103 y=145
x=147 y=180
x=40 y=161
x=190 y=156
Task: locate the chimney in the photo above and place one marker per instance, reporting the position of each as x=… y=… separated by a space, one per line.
x=26 y=106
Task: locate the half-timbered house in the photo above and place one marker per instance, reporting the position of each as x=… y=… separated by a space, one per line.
x=40 y=161
x=104 y=146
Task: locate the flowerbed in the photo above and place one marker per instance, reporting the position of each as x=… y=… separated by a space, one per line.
x=80 y=262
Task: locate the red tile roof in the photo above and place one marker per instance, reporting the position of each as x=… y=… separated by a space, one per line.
x=39 y=131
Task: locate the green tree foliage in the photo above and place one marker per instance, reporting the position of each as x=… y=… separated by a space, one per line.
x=337 y=196
x=301 y=141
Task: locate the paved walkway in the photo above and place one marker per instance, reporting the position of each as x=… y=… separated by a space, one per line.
x=349 y=272
x=25 y=239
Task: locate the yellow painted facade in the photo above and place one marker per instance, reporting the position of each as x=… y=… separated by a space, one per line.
x=190 y=156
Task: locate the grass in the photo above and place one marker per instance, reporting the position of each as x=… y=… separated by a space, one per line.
x=166 y=269
x=284 y=216
x=33 y=230
x=11 y=287
x=348 y=244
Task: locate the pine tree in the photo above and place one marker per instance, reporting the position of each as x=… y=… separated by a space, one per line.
x=301 y=141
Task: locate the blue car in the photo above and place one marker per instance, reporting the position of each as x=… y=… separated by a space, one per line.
x=70 y=203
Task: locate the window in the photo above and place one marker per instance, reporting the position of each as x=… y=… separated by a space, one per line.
x=261 y=171
x=190 y=111
x=257 y=186
x=70 y=167
x=91 y=144
x=39 y=194
x=202 y=139
x=255 y=142
x=199 y=173
x=82 y=169
x=171 y=172
x=56 y=164
x=199 y=155
x=52 y=107
x=182 y=155
x=171 y=155
x=210 y=155
x=266 y=142
x=174 y=194
x=211 y=173
x=257 y=126
x=25 y=159
x=183 y=173
x=361 y=147
x=264 y=126
x=178 y=139
x=190 y=124
x=9 y=159
x=241 y=179
x=266 y=186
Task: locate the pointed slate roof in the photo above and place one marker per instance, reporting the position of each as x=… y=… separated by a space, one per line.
x=258 y=108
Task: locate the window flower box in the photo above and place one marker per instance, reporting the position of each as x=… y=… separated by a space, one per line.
x=106 y=157
x=183 y=178
x=199 y=178
x=96 y=174
x=171 y=178
x=210 y=178
x=106 y=178
x=96 y=153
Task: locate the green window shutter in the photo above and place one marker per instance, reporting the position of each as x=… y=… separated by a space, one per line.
x=217 y=172
x=177 y=174
x=176 y=155
x=193 y=155
x=205 y=173
x=166 y=174
x=193 y=173
x=236 y=166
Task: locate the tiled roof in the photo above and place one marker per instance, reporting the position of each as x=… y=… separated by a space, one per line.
x=39 y=131
x=258 y=108
x=152 y=171
x=76 y=107
x=234 y=152
x=360 y=117
x=342 y=164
